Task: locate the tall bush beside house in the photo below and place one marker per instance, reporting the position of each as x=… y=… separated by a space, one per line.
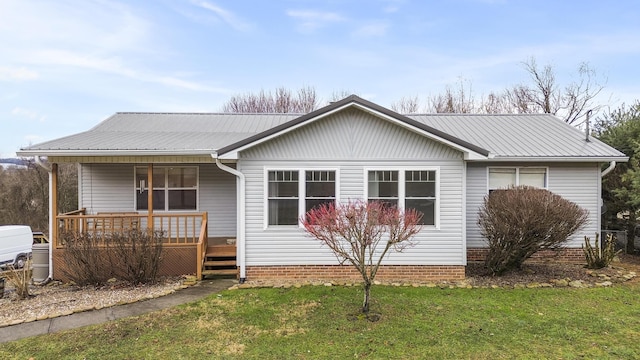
x=362 y=233
x=519 y=221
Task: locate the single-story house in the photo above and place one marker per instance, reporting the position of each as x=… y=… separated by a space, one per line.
x=229 y=189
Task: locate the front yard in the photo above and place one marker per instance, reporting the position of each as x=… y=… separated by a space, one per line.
x=319 y=322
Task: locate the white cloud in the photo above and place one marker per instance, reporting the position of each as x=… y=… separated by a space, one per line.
x=224 y=15
x=392 y=6
x=28 y=113
x=311 y=20
x=17 y=74
x=114 y=65
x=376 y=29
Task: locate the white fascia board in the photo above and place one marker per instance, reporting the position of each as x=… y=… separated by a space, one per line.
x=232 y=155
x=28 y=153
x=553 y=159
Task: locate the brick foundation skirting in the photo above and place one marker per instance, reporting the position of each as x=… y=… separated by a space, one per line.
x=347 y=272
x=570 y=255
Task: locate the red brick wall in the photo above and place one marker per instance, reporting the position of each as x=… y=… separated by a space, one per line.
x=347 y=272
x=572 y=255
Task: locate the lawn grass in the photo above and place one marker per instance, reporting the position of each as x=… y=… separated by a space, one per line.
x=317 y=323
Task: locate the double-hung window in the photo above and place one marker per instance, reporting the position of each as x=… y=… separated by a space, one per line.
x=409 y=189
x=174 y=188
x=283 y=197
x=420 y=194
x=504 y=177
x=383 y=186
x=292 y=193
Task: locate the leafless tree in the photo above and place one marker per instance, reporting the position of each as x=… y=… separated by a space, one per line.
x=406 y=105
x=282 y=100
x=454 y=100
x=341 y=94
x=362 y=233
x=545 y=95
x=24 y=194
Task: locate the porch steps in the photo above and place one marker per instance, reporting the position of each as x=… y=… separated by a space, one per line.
x=220 y=260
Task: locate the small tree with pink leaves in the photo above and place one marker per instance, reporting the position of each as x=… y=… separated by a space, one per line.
x=362 y=233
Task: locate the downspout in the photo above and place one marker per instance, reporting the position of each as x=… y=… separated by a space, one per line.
x=240 y=227
x=604 y=172
x=612 y=166
x=47 y=168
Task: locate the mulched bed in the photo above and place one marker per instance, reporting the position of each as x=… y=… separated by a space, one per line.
x=547 y=272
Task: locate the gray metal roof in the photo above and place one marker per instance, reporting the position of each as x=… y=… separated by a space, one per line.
x=521 y=135
x=163 y=132
x=503 y=137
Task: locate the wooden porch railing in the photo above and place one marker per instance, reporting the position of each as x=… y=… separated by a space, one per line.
x=178 y=229
x=203 y=243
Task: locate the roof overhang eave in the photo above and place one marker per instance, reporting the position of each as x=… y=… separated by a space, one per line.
x=190 y=152
x=555 y=159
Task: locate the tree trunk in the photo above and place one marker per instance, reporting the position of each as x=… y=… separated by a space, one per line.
x=367 y=296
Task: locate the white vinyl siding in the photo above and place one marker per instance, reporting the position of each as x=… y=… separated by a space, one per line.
x=577 y=182
x=351 y=142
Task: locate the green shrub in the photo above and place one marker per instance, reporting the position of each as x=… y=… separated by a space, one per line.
x=519 y=221
x=598 y=257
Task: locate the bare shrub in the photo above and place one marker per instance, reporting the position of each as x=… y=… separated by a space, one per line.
x=599 y=256
x=20 y=278
x=132 y=255
x=519 y=221
x=137 y=254
x=87 y=258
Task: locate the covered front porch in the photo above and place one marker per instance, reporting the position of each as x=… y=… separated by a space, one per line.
x=188 y=246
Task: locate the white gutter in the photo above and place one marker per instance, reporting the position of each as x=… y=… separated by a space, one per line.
x=60 y=153
x=612 y=166
x=240 y=211
x=51 y=210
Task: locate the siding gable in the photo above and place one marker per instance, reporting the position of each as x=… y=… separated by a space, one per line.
x=351 y=134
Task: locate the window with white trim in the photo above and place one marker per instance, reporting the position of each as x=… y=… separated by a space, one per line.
x=175 y=188
x=420 y=194
x=292 y=193
x=503 y=177
x=409 y=189
x=283 y=197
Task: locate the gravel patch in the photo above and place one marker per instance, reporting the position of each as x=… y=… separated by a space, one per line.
x=57 y=299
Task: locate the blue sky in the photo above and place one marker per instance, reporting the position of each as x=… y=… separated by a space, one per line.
x=67 y=65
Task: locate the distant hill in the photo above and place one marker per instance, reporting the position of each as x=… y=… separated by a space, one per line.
x=12 y=161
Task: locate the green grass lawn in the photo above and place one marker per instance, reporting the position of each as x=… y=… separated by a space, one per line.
x=318 y=323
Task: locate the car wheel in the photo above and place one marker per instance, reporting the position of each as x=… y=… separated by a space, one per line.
x=21 y=261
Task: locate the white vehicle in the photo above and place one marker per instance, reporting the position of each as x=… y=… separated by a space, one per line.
x=15 y=245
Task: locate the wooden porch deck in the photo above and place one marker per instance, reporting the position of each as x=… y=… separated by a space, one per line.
x=181 y=231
